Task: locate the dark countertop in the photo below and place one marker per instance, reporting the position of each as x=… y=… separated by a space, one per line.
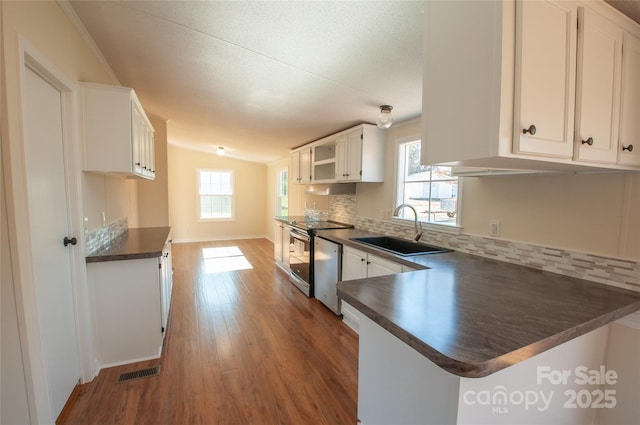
x=135 y=243
x=287 y=219
x=474 y=316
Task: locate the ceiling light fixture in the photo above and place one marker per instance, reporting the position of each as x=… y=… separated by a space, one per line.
x=385 y=119
x=220 y=151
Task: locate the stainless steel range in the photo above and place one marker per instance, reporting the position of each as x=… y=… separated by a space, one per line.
x=301 y=255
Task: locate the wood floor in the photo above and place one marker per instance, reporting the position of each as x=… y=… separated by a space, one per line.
x=242 y=347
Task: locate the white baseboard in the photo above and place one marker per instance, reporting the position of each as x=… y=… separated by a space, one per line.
x=216 y=239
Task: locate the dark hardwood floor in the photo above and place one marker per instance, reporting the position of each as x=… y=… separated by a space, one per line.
x=242 y=347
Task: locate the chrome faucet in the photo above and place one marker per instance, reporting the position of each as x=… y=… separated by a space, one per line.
x=416 y=223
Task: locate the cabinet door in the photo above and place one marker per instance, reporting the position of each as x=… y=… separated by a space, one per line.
x=277 y=242
x=349 y=157
x=629 y=140
x=151 y=152
x=286 y=247
x=164 y=293
x=166 y=283
x=354 y=157
x=305 y=166
x=354 y=264
x=380 y=267
x=137 y=140
x=342 y=154
x=294 y=167
x=545 y=77
x=301 y=166
x=598 y=88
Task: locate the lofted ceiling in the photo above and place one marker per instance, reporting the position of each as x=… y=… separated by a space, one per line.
x=262 y=77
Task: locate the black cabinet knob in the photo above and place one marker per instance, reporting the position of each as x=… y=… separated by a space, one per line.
x=531 y=130
x=66 y=241
x=628 y=148
x=589 y=141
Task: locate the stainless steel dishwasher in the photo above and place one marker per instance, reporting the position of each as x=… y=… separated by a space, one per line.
x=327 y=259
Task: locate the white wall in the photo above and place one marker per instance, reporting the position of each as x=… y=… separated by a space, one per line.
x=251 y=197
x=153 y=195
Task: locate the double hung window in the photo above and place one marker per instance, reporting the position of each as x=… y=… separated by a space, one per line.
x=431 y=190
x=282 y=193
x=216 y=195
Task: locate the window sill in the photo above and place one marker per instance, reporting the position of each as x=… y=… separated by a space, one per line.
x=209 y=220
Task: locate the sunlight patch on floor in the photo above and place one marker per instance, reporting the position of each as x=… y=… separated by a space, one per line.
x=224 y=259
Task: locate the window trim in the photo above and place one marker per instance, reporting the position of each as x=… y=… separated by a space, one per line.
x=233 y=195
x=279 y=172
x=444 y=228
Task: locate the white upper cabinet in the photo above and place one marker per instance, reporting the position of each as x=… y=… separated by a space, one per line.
x=324 y=162
x=545 y=77
x=519 y=85
x=598 y=88
x=361 y=155
x=629 y=138
x=352 y=155
x=349 y=166
x=118 y=136
x=301 y=166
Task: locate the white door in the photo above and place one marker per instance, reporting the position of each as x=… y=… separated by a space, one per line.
x=48 y=212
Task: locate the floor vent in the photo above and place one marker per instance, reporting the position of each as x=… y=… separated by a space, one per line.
x=138 y=374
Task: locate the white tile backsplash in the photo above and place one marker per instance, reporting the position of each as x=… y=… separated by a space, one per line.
x=611 y=271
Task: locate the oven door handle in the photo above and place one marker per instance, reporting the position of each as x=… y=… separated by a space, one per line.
x=300 y=235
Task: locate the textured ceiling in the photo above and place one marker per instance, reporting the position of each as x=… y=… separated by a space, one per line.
x=262 y=77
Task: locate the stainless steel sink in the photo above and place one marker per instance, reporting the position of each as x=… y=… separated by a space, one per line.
x=401 y=246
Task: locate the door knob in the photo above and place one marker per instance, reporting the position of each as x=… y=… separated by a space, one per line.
x=628 y=148
x=66 y=241
x=589 y=141
x=531 y=130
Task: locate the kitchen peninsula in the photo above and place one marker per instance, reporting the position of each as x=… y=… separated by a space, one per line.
x=131 y=281
x=474 y=340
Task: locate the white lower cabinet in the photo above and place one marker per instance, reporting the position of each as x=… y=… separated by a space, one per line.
x=358 y=264
x=166 y=284
x=131 y=304
x=281 y=245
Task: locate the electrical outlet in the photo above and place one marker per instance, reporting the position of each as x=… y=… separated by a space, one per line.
x=494 y=227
